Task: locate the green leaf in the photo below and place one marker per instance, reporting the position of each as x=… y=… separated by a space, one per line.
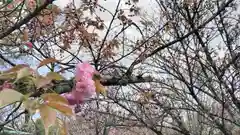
x=9 y=1
x=42 y=81
x=10 y=131
x=48 y=116
x=63 y=108
x=62 y=126
x=31 y=105
x=9 y=96
x=54 y=97
x=16 y=68
x=49 y=6
x=7 y=76
x=55 y=76
x=23 y=73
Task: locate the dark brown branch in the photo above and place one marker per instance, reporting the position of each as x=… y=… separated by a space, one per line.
x=5 y=123
x=108 y=30
x=67 y=85
x=6 y=60
x=25 y=20
x=126 y=81
x=222 y=8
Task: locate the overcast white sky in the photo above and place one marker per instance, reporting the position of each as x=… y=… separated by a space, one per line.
x=147 y=6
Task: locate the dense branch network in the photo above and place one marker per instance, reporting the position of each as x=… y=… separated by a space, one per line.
x=192 y=91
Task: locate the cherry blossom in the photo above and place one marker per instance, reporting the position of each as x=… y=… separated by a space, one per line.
x=85 y=86
x=84 y=71
x=29 y=44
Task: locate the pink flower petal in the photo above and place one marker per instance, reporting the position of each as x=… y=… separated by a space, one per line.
x=71 y=98
x=10 y=6
x=29 y=44
x=84 y=70
x=85 y=86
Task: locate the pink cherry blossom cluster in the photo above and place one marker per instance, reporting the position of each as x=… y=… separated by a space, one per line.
x=84 y=87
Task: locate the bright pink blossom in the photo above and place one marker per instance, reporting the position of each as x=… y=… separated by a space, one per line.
x=84 y=71
x=29 y=44
x=71 y=98
x=85 y=87
x=10 y=6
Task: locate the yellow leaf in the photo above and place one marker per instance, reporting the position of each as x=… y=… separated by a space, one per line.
x=25 y=97
x=8 y=96
x=63 y=108
x=31 y=105
x=54 y=76
x=42 y=81
x=54 y=97
x=100 y=88
x=62 y=126
x=63 y=130
x=16 y=68
x=23 y=72
x=7 y=76
x=46 y=61
x=48 y=116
